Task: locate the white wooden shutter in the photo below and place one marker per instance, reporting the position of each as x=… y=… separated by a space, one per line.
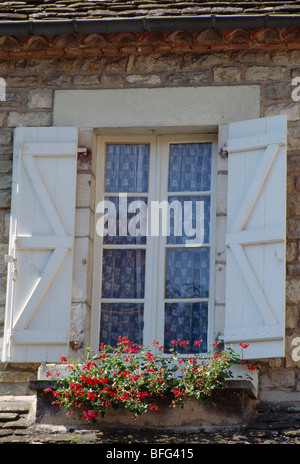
x=255 y=258
x=40 y=252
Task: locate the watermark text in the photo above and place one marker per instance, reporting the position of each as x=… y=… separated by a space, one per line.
x=137 y=218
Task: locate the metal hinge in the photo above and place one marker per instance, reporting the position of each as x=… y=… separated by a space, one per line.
x=14 y=272
x=223 y=152
x=83 y=151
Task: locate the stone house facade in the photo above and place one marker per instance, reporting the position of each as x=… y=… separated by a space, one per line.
x=132 y=70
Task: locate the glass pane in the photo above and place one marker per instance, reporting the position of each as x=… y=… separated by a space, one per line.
x=127 y=168
x=133 y=226
x=186 y=321
x=187 y=273
x=123 y=274
x=121 y=319
x=186 y=220
x=190 y=167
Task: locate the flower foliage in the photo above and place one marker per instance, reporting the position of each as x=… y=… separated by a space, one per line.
x=138 y=377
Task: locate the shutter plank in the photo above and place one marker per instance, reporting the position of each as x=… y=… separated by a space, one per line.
x=46 y=149
x=45 y=242
x=255 y=142
x=30 y=337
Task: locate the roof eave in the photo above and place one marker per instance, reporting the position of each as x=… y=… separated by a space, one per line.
x=146 y=24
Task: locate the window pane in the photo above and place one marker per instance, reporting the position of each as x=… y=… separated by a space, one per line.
x=185 y=219
x=123 y=274
x=121 y=319
x=133 y=226
x=127 y=168
x=187 y=273
x=186 y=321
x=189 y=167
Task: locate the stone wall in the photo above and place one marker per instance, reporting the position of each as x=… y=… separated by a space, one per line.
x=34 y=67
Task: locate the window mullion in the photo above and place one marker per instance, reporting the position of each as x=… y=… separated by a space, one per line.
x=162 y=239
x=151 y=298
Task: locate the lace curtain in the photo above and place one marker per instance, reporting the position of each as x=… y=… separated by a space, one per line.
x=187 y=269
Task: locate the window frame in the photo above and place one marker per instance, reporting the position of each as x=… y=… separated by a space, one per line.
x=157 y=185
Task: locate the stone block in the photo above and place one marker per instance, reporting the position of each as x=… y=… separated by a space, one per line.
x=293 y=269
x=57 y=81
x=219 y=319
x=293 y=291
x=293 y=228
x=292 y=317
x=248 y=57
x=5 y=197
x=220 y=280
x=82 y=222
x=198 y=61
x=278 y=91
x=284 y=56
x=291 y=109
x=291 y=251
x=78 y=325
x=32 y=118
x=111 y=81
x=5 y=166
x=5 y=181
x=5 y=138
x=40 y=98
x=293 y=138
x=83 y=190
x=192 y=78
x=14 y=99
x=266 y=73
x=221 y=227
x=222 y=180
x=2 y=118
x=85 y=138
x=2 y=317
x=143 y=79
x=79 y=289
x=156 y=63
x=229 y=75
x=86 y=80
x=3 y=265
x=24 y=81
x=278 y=379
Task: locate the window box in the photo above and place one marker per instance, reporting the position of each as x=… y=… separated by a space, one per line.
x=230 y=406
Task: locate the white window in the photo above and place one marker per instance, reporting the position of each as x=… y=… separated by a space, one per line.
x=154 y=275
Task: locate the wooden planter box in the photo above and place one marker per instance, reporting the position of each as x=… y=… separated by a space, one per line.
x=230 y=406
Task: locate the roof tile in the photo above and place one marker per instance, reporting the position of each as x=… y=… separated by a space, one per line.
x=60 y=9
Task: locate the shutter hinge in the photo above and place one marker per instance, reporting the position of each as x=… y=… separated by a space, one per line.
x=83 y=151
x=11 y=259
x=223 y=152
